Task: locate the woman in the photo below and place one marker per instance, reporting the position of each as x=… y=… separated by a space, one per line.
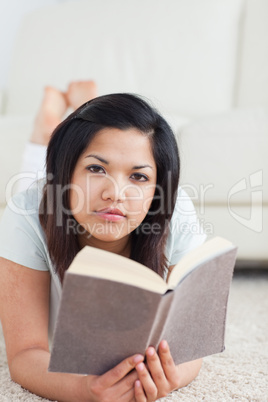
x=111 y=182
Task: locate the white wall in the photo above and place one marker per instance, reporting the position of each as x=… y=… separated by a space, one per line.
x=11 y=14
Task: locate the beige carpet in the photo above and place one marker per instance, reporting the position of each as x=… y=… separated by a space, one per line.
x=240 y=373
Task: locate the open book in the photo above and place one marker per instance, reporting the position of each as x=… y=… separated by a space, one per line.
x=113 y=307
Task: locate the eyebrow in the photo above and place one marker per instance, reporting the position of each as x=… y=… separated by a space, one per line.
x=141 y=167
x=107 y=163
x=98 y=157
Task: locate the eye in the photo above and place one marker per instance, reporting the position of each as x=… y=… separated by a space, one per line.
x=139 y=177
x=95 y=169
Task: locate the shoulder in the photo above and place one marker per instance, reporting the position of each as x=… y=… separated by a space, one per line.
x=22 y=239
x=22 y=210
x=27 y=202
x=184 y=212
x=185 y=232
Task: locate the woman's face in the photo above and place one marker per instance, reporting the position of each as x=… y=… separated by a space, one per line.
x=113 y=185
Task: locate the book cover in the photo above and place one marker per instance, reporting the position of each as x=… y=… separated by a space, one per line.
x=103 y=321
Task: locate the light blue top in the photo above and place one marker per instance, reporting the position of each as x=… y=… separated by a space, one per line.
x=22 y=239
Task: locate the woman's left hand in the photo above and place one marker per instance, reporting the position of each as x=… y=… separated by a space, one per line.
x=158 y=377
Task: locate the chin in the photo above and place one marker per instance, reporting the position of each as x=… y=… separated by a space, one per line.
x=109 y=234
x=108 y=237
x=107 y=231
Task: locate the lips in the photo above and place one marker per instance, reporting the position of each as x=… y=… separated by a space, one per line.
x=112 y=211
x=110 y=214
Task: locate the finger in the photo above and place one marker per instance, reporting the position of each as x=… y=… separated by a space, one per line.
x=129 y=396
x=126 y=384
x=156 y=369
x=167 y=361
x=114 y=375
x=139 y=393
x=147 y=382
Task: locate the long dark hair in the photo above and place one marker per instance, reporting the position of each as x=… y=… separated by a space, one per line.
x=68 y=142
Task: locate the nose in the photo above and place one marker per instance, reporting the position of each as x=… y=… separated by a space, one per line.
x=114 y=190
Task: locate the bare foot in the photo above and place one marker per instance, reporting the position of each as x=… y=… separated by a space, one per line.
x=50 y=114
x=80 y=92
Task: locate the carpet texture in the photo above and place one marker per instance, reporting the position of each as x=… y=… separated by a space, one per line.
x=239 y=373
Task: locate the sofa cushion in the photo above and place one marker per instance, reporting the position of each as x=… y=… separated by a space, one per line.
x=181 y=54
x=224 y=157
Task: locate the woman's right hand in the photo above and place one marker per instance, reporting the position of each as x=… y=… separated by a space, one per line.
x=116 y=384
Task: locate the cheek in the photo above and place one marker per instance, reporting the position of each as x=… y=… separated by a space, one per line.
x=77 y=199
x=148 y=199
x=78 y=195
x=147 y=203
x=141 y=200
x=84 y=194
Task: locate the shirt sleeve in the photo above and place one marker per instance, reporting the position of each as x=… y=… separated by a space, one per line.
x=33 y=165
x=185 y=231
x=21 y=239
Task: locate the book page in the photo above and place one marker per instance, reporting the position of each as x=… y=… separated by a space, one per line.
x=98 y=263
x=196 y=257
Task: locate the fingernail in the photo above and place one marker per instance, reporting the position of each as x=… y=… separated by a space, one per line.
x=138 y=383
x=140 y=366
x=138 y=359
x=150 y=351
x=164 y=345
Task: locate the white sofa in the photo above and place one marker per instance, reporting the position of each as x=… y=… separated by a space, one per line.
x=204 y=65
